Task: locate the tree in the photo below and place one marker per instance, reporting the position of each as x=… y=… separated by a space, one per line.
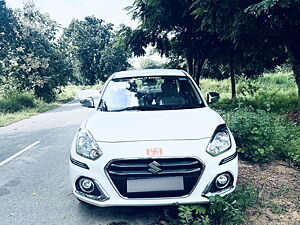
x=169 y=26
x=95 y=49
x=281 y=25
x=33 y=61
x=263 y=33
x=8 y=35
x=115 y=55
x=85 y=40
x=148 y=63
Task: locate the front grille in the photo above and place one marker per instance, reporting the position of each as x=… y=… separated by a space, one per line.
x=120 y=171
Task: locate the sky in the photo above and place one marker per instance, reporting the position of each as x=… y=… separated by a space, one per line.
x=63 y=11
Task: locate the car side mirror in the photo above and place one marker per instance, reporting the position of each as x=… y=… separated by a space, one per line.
x=87 y=102
x=212 y=97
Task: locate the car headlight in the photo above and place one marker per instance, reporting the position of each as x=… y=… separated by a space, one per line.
x=87 y=146
x=220 y=141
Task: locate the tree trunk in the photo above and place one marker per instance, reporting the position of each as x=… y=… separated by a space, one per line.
x=296 y=70
x=232 y=78
x=189 y=64
x=198 y=70
x=295 y=50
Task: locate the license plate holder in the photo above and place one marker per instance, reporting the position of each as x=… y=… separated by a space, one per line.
x=155 y=184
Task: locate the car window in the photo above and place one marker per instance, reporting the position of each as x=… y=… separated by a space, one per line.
x=150 y=93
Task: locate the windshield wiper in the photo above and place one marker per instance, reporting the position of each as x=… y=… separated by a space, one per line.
x=185 y=106
x=141 y=108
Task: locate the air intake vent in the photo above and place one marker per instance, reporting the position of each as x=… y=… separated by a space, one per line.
x=80 y=164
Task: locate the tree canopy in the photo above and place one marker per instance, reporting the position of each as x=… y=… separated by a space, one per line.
x=266 y=32
x=246 y=37
x=31 y=60
x=95 y=49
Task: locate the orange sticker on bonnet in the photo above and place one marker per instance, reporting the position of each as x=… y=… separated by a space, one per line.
x=154 y=152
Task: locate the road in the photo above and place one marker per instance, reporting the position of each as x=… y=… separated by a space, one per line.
x=34 y=182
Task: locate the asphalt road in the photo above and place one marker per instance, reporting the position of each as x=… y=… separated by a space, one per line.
x=34 y=182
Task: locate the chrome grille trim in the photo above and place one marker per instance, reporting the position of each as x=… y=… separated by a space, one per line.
x=161 y=173
x=145 y=165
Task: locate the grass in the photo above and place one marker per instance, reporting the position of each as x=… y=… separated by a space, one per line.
x=8 y=118
x=85 y=87
x=19 y=112
x=13 y=107
x=276 y=92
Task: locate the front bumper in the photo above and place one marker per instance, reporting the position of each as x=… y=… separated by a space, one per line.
x=112 y=195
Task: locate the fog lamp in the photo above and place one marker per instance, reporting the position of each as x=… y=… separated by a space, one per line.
x=222 y=180
x=86 y=185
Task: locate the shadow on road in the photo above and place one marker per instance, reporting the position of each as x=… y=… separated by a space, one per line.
x=127 y=215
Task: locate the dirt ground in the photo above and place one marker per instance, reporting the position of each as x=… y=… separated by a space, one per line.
x=294 y=117
x=279 y=187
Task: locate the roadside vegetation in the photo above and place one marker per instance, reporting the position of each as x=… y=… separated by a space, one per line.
x=16 y=105
x=260 y=117
x=268 y=141
x=228 y=210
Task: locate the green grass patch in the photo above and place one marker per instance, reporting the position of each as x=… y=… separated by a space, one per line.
x=8 y=118
x=275 y=93
x=16 y=106
x=14 y=101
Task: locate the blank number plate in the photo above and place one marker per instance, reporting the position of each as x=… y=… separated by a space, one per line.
x=155 y=184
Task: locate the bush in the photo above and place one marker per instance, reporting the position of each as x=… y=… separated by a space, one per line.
x=290 y=147
x=14 y=101
x=221 y=210
x=262 y=136
x=256 y=135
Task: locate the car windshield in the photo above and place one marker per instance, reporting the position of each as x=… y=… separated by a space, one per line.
x=150 y=93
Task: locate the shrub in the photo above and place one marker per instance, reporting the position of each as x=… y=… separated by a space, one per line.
x=262 y=136
x=220 y=210
x=14 y=101
x=257 y=137
x=290 y=147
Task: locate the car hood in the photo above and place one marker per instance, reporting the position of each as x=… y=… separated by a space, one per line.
x=152 y=125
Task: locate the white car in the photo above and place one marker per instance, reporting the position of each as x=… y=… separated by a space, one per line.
x=152 y=140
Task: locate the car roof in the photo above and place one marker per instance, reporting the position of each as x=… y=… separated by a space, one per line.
x=148 y=72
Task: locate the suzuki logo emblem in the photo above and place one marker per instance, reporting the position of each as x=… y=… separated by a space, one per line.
x=154 y=167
